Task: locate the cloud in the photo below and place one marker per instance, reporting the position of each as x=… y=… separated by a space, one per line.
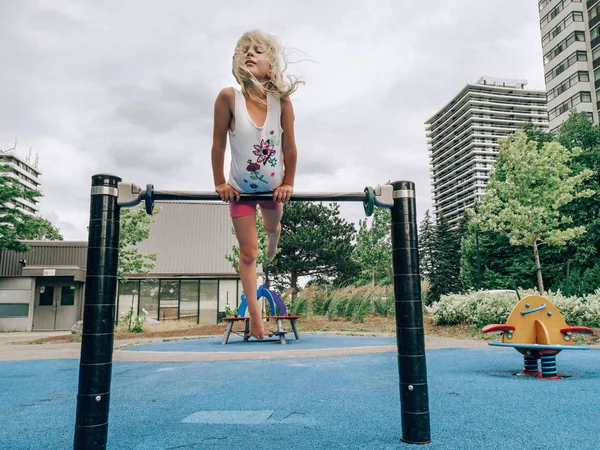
x=128 y=88
x=164 y=107
x=157 y=161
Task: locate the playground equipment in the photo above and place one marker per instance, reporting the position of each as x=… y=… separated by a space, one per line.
x=537 y=330
x=109 y=194
x=278 y=312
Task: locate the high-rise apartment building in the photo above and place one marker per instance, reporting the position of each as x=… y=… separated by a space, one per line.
x=463 y=138
x=570 y=31
x=24 y=172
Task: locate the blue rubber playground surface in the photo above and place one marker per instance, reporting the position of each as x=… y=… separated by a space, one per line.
x=345 y=402
x=237 y=344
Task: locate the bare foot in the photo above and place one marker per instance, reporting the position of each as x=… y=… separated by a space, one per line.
x=272 y=241
x=257 y=329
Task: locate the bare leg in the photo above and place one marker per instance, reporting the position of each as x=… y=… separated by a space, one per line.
x=272 y=224
x=245 y=231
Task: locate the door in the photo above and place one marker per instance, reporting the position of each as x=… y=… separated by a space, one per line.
x=67 y=310
x=44 y=317
x=57 y=306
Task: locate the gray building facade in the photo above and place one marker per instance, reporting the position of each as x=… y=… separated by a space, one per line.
x=44 y=288
x=24 y=172
x=463 y=138
x=570 y=31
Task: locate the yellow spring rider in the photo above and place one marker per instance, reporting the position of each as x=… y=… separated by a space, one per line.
x=537 y=330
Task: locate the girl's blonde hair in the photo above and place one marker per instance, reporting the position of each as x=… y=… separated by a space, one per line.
x=275 y=84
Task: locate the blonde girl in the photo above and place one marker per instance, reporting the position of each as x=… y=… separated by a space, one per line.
x=259 y=120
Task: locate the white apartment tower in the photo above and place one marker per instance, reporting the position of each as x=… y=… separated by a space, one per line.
x=25 y=173
x=570 y=31
x=463 y=138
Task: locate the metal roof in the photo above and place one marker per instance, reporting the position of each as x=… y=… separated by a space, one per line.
x=191 y=238
x=48 y=254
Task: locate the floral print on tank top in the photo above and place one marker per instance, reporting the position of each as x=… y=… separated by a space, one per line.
x=265 y=154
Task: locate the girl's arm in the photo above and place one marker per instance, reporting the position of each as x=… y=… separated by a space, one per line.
x=288 y=147
x=221 y=124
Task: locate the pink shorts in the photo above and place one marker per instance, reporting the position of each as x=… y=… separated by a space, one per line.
x=246 y=208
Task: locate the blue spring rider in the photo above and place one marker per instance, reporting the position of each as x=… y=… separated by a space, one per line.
x=278 y=312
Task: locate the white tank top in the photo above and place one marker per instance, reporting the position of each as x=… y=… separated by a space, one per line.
x=256 y=156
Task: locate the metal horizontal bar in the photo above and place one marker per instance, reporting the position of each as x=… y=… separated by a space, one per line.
x=297 y=197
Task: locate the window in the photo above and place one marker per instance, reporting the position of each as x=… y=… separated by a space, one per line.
x=14 y=309
x=208 y=301
x=149 y=297
x=169 y=299
x=67 y=296
x=576 y=36
x=46 y=295
x=129 y=291
x=557 y=30
x=579 y=55
x=552 y=14
x=570 y=103
x=189 y=298
x=228 y=294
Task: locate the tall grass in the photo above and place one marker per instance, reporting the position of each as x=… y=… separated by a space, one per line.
x=349 y=303
x=358 y=303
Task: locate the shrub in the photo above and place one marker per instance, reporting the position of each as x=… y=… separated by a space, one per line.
x=483 y=308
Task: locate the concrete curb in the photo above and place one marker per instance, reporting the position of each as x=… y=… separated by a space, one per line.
x=12 y=350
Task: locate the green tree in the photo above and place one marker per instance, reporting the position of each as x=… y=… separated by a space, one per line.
x=528 y=187
x=39 y=228
x=537 y=134
x=426 y=245
x=316 y=242
x=373 y=250
x=15 y=224
x=135 y=228
x=579 y=132
x=445 y=276
x=489 y=261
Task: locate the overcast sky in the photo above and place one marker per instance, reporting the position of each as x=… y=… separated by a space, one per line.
x=127 y=87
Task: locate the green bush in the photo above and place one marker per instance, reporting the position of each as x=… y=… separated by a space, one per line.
x=484 y=308
x=132 y=323
x=579 y=311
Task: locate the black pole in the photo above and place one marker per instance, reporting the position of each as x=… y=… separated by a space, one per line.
x=410 y=336
x=95 y=366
